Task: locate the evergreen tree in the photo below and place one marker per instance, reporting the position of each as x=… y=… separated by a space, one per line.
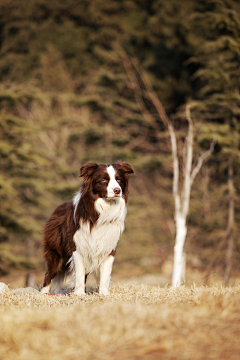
x=65 y=99
x=216 y=28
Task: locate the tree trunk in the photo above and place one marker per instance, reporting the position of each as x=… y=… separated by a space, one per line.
x=144 y=90
x=230 y=226
x=178 y=263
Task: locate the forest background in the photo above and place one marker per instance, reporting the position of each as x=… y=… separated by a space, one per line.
x=65 y=98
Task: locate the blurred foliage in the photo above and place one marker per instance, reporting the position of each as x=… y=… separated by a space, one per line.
x=65 y=99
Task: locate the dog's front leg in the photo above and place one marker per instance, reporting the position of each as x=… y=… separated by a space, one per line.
x=105 y=275
x=79 y=273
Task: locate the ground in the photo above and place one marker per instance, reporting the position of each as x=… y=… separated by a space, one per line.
x=134 y=322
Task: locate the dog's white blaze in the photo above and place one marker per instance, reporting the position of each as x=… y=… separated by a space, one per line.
x=113 y=184
x=95 y=246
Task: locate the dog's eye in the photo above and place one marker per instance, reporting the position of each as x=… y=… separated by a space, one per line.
x=104 y=181
x=118 y=179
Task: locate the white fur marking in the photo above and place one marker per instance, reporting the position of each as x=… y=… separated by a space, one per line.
x=105 y=275
x=113 y=184
x=95 y=246
x=76 y=200
x=79 y=273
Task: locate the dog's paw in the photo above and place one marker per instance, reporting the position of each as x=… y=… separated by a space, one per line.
x=45 y=290
x=104 y=291
x=79 y=291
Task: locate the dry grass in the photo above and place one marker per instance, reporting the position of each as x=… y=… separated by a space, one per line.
x=134 y=322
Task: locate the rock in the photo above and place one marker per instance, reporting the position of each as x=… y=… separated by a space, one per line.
x=3 y=287
x=27 y=290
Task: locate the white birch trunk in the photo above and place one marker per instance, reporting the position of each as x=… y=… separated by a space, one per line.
x=182 y=200
x=178 y=262
x=181 y=204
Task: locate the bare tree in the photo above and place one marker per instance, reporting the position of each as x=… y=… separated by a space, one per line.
x=143 y=90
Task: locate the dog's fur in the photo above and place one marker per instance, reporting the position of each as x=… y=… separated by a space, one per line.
x=82 y=235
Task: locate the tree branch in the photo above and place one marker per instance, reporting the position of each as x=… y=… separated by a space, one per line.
x=137 y=89
x=201 y=160
x=151 y=92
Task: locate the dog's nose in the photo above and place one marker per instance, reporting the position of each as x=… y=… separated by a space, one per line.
x=116 y=191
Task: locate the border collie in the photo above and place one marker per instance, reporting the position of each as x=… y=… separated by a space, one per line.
x=81 y=236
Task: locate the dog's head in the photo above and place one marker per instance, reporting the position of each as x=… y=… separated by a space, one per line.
x=107 y=181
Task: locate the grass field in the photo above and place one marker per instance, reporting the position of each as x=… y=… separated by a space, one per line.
x=134 y=322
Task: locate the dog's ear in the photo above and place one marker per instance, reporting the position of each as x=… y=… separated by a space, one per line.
x=125 y=167
x=87 y=170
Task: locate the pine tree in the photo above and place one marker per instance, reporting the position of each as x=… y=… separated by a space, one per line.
x=216 y=28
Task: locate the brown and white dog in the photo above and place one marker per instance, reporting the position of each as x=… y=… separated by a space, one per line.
x=82 y=235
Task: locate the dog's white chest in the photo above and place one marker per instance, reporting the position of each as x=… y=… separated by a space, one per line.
x=96 y=245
